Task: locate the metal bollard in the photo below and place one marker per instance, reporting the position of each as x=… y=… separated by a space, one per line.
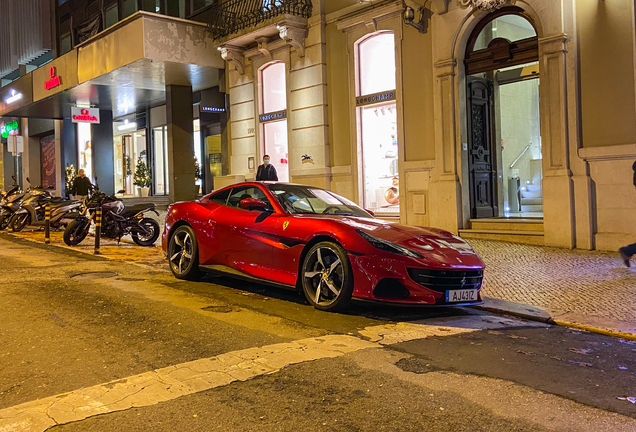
x=98 y=229
x=47 y=224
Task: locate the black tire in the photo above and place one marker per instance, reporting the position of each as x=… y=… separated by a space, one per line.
x=5 y=218
x=19 y=221
x=326 y=277
x=183 y=254
x=149 y=240
x=76 y=232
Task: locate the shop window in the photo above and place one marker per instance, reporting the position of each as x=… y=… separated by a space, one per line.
x=47 y=158
x=273 y=117
x=85 y=149
x=377 y=124
x=111 y=16
x=128 y=147
x=128 y=7
x=376 y=64
x=160 y=172
x=196 y=135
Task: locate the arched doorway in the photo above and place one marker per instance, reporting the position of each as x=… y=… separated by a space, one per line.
x=504 y=139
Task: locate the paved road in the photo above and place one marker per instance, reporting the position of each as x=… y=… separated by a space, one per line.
x=139 y=351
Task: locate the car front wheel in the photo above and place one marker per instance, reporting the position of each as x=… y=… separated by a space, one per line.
x=183 y=254
x=327 y=279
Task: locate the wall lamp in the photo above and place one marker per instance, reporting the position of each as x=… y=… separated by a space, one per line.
x=422 y=24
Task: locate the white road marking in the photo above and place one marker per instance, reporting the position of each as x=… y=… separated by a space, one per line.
x=169 y=383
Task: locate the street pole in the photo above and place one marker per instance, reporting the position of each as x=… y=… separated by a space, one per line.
x=47 y=224
x=98 y=229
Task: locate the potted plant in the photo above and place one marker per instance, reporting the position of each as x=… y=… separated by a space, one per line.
x=142 y=177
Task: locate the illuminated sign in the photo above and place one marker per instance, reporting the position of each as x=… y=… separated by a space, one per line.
x=10 y=128
x=15 y=96
x=375 y=98
x=212 y=109
x=85 y=115
x=54 y=81
x=273 y=116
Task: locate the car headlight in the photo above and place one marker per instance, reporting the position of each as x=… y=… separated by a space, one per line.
x=388 y=246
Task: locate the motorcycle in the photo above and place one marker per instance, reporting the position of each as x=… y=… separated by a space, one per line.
x=117 y=221
x=13 y=203
x=33 y=208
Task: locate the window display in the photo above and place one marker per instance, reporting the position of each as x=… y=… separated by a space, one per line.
x=127 y=149
x=380 y=158
x=273 y=117
x=85 y=151
x=378 y=138
x=160 y=177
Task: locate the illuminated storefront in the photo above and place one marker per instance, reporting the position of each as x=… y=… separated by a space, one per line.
x=273 y=118
x=377 y=124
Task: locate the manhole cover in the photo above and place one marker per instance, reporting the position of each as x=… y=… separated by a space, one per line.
x=94 y=275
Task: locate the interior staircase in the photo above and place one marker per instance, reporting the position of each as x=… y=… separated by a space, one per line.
x=514 y=230
x=531 y=199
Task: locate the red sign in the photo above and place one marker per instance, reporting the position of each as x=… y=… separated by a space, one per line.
x=85 y=116
x=55 y=81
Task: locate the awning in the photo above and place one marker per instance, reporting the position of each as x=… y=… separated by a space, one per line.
x=123 y=69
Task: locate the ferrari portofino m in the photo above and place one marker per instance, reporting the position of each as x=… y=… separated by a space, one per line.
x=310 y=239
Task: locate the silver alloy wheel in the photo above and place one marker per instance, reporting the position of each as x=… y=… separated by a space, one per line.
x=180 y=259
x=325 y=276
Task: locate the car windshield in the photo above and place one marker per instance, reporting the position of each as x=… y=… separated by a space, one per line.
x=304 y=199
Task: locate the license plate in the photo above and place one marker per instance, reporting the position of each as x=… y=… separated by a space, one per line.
x=460 y=296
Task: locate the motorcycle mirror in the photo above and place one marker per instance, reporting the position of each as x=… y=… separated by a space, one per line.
x=27 y=179
x=121 y=192
x=13 y=177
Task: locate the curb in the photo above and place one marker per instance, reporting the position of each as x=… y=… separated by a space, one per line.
x=533 y=313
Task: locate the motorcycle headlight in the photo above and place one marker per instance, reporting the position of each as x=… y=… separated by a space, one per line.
x=388 y=246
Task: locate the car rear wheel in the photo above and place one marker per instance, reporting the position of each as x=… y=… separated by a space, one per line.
x=327 y=279
x=183 y=254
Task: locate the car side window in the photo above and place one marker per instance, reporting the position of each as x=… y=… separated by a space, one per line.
x=221 y=197
x=241 y=193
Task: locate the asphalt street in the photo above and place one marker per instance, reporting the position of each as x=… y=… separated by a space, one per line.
x=133 y=349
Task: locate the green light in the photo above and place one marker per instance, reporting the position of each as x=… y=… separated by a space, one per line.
x=7 y=129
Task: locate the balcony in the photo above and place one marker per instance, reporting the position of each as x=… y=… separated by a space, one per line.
x=234 y=16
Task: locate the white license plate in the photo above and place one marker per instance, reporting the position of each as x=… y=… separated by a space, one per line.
x=460 y=296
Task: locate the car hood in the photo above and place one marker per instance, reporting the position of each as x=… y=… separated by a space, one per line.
x=433 y=244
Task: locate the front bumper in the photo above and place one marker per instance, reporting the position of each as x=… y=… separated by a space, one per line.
x=388 y=280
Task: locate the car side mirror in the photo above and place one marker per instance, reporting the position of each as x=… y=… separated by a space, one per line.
x=253 y=204
x=370 y=212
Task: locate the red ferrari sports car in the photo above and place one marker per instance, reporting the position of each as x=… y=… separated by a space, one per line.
x=310 y=239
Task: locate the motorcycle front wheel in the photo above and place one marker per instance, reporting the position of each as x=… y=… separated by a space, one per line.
x=19 y=221
x=152 y=227
x=76 y=232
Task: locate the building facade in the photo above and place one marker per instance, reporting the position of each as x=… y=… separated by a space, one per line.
x=489 y=118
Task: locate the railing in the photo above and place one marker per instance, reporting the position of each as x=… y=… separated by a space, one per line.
x=233 y=15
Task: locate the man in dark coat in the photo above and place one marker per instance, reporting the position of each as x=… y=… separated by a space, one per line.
x=266 y=172
x=628 y=251
x=81 y=186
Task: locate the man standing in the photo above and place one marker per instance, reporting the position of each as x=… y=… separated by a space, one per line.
x=628 y=251
x=266 y=172
x=81 y=186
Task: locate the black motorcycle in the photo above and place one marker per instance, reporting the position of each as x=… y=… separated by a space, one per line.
x=117 y=221
x=11 y=203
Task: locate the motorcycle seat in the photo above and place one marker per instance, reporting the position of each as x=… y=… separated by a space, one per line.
x=134 y=209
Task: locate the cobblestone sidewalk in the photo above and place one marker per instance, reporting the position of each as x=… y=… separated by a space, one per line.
x=560 y=281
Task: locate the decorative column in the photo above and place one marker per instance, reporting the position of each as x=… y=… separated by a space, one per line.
x=445 y=188
x=558 y=194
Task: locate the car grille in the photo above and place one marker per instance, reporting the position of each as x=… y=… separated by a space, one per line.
x=444 y=280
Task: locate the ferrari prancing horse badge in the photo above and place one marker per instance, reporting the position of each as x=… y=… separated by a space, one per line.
x=285 y=225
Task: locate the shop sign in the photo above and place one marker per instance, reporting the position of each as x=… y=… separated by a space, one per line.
x=273 y=116
x=375 y=98
x=54 y=81
x=10 y=128
x=15 y=96
x=85 y=115
x=212 y=109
